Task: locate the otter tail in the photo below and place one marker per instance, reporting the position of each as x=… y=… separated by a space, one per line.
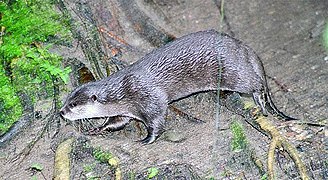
x=274 y=108
x=264 y=100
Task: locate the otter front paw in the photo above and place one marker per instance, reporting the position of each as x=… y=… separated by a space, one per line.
x=95 y=131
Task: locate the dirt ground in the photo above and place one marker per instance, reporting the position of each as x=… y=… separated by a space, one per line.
x=287 y=35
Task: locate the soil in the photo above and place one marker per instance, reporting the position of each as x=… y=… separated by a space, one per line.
x=286 y=35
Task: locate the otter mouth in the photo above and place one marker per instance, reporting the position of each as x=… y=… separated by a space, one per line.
x=100 y=125
x=92 y=126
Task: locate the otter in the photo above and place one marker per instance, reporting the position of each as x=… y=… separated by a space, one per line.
x=185 y=66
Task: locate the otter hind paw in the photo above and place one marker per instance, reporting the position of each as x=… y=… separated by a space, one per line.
x=149 y=139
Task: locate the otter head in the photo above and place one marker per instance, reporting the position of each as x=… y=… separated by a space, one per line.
x=85 y=103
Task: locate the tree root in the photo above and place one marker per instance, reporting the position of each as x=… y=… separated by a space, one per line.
x=20 y=157
x=278 y=141
x=62 y=160
x=254 y=117
x=114 y=162
x=50 y=117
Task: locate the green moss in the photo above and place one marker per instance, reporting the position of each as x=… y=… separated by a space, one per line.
x=26 y=65
x=264 y=177
x=239 y=141
x=89 y=168
x=152 y=172
x=101 y=156
x=10 y=106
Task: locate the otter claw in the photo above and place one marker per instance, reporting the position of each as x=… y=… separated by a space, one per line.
x=95 y=131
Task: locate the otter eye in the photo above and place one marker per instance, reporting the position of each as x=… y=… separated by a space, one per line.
x=93 y=98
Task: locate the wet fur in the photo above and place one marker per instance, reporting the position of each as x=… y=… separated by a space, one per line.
x=183 y=67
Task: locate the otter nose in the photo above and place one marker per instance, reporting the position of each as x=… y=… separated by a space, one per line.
x=62 y=112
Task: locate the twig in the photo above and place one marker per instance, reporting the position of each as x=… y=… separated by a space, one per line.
x=50 y=118
x=217 y=118
x=223 y=19
x=31 y=144
x=55 y=103
x=184 y=114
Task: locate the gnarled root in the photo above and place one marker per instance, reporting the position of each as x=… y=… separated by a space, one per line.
x=278 y=141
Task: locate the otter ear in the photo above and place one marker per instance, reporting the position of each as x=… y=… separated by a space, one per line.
x=93 y=98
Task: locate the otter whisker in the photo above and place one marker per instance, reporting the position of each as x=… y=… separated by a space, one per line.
x=105 y=121
x=90 y=124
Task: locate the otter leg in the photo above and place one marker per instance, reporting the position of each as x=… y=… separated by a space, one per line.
x=259 y=100
x=155 y=127
x=111 y=124
x=154 y=130
x=151 y=136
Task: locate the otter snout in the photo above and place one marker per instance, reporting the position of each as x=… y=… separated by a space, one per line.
x=63 y=111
